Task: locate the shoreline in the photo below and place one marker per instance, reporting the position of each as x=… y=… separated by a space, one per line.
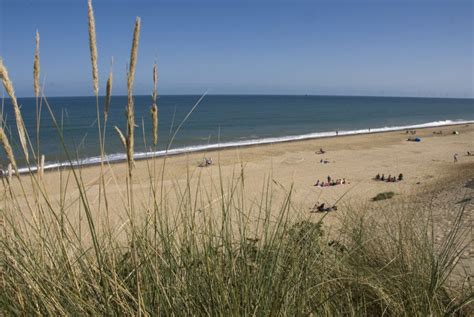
x=121 y=157
x=285 y=166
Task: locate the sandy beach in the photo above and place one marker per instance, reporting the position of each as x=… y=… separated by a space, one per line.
x=425 y=165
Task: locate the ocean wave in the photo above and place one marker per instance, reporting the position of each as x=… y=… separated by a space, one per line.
x=118 y=157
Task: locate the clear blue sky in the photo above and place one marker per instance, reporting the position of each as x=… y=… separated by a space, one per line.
x=378 y=47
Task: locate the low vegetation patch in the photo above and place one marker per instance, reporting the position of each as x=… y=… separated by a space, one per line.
x=383 y=196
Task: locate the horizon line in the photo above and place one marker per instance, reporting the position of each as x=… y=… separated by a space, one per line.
x=257 y=94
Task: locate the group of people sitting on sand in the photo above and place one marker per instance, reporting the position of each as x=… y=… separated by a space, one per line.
x=389 y=178
x=206 y=162
x=321 y=151
x=322 y=208
x=411 y=132
x=331 y=182
x=470 y=153
x=323 y=161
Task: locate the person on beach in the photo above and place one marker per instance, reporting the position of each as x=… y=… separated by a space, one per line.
x=400 y=177
x=455 y=157
x=383 y=177
x=206 y=162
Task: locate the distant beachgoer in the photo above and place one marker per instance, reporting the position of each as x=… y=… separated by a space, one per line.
x=329 y=179
x=317 y=183
x=400 y=177
x=337 y=132
x=455 y=157
x=322 y=151
x=383 y=177
x=377 y=177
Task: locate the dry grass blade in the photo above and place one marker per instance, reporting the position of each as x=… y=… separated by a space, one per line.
x=36 y=67
x=93 y=47
x=7 y=83
x=121 y=137
x=7 y=148
x=130 y=104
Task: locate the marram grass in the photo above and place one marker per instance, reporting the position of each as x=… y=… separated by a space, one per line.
x=36 y=67
x=108 y=95
x=130 y=103
x=7 y=148
x=231 y=259
x=154 y=107
x=222 y=265
x=93 y=48
x=8 y=85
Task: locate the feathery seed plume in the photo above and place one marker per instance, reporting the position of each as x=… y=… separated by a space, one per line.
x=154 y=120
x=36 y=67
x=93 y=47
x=130 y=105
x=154 y=107
x=7 y=148
x=134 y=54
x=108 y=95
x=7 y=84
x=155 y=83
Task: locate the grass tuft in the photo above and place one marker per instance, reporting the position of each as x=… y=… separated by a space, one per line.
x=383 y=196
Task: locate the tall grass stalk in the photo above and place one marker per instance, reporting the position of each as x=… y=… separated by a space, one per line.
x=95 y=81
x=8 y=85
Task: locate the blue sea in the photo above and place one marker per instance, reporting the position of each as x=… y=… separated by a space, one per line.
x=222 y=121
